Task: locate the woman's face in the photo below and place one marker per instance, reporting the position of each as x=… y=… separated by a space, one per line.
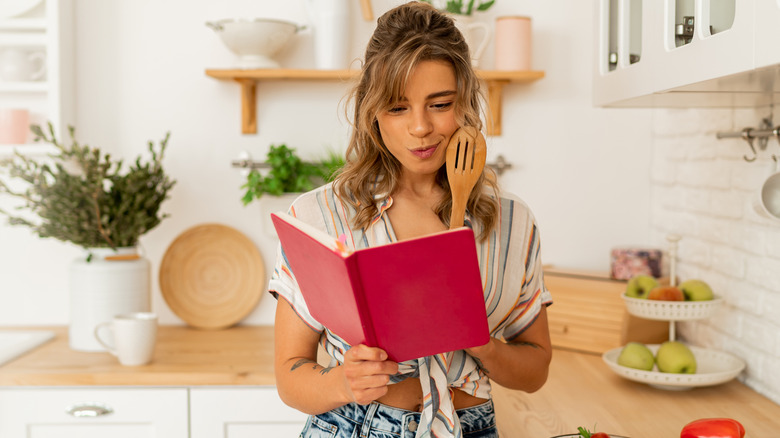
x=416 y=129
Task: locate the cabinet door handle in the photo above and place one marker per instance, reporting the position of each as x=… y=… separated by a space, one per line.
x=89 y=409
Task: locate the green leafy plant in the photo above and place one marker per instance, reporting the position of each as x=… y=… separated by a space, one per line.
x=288 y=173
x=462 y=7
x=81 y=196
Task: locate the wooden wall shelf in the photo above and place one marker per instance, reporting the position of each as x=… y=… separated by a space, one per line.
x=495 y=80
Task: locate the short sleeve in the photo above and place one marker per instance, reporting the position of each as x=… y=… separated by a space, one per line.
x=523 y=245
x=283 y=283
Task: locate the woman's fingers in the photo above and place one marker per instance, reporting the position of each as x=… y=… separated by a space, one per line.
x=367 y=372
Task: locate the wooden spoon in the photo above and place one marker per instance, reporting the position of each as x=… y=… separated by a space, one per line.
x=466 y=155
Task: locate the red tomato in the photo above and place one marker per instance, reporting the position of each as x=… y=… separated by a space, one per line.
x=599 y=435
x=713 y=428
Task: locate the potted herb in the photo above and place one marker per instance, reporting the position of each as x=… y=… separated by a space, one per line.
x=289 y=174
x=287 y=177
x=84 y=197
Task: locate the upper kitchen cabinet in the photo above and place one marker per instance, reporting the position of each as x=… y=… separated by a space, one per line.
x=36 y=63
x=767 y=14
x=686 y=53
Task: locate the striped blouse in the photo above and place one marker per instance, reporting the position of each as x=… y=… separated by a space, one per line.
x=514 y=291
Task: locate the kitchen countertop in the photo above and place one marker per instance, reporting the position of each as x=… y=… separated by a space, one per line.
x=183 y=356
x=581 y=389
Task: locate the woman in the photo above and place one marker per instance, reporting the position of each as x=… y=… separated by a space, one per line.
x=416 y=89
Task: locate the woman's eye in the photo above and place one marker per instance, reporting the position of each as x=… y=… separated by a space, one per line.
x=396 y=109
x=442 y=106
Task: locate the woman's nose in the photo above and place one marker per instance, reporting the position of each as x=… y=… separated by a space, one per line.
x=420 y=124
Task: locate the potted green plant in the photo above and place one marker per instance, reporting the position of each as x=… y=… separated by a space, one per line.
x=289 y=174
x=83 y=197
x=286 y=178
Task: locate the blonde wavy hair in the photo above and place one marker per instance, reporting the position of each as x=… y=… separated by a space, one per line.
x=404 y=37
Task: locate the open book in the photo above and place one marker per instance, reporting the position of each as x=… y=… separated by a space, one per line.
x=412 y=298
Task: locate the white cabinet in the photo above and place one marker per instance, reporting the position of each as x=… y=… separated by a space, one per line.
x=685 y=53
x=45 y=29
x=242 y=413
x=197 y=412
x=767 y=13
x=93 y=413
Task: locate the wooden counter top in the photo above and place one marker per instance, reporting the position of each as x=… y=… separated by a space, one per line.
x=581 y=389
x=183 y=357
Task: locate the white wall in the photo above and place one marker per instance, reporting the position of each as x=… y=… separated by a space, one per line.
x=140 y=72
x=702 y=189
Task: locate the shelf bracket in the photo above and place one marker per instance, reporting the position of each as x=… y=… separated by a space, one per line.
x=248 y=105
x=495 y=92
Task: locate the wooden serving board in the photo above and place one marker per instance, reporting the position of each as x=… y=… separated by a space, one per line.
x=212 y=276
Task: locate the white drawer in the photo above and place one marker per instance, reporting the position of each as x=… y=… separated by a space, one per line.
x=93 y=413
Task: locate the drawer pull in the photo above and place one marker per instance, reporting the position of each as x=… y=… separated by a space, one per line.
x=89 y=409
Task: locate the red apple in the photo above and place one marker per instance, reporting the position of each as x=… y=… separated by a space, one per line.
x=666 y=293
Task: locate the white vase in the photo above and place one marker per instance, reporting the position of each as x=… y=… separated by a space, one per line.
x=101 y=288
x=331 y=29
x=476 y=33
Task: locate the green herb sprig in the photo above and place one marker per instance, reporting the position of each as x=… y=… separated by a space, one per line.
x=81 y=196
x=288 y=173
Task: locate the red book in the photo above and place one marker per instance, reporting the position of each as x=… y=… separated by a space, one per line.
x=412 y=298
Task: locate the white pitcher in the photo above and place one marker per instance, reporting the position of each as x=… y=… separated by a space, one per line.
x=476 y=33
x=20 y=65
x=331 y=28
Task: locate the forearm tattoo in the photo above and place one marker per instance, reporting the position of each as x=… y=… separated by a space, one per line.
x=529 y=344
x=303 y=362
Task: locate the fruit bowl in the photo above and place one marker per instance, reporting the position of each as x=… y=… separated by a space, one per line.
x=713 y=368
x=671 y=310
x=254 y=40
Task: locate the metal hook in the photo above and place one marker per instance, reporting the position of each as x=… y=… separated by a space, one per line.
x=749 y=138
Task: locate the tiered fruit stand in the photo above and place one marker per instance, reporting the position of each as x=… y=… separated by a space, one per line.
x=713 y=367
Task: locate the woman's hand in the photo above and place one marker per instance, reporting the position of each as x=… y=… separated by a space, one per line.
x=367 y=373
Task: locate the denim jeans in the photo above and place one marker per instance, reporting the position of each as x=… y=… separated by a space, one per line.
x=379 y=421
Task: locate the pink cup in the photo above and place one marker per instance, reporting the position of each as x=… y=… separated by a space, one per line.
x=513 y=43
x=14 y=126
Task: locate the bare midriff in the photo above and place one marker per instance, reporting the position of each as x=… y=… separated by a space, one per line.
x=407 y=394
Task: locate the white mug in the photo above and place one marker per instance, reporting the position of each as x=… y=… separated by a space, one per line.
x=20 y=65
x=134 y=337
x=767 y=200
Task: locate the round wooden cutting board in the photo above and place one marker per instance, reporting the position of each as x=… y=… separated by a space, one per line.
x=212 y=276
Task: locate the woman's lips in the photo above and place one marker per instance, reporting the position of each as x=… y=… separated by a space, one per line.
x=425 y=152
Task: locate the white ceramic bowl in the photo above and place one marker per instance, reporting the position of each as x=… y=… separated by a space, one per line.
x=712 y=368
x=254 y=40
x=672 y=310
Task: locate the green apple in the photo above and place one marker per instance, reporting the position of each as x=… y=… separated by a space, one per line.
x=696 y=290
x=675 y=357
x=636 y=355
x=640 y=285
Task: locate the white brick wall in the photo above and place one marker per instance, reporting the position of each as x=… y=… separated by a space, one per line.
x=702 y=189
